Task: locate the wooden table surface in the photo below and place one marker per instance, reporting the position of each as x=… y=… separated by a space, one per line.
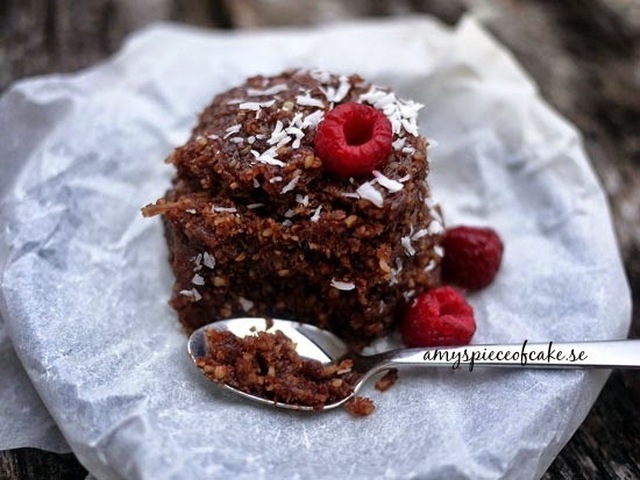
x=584 y=55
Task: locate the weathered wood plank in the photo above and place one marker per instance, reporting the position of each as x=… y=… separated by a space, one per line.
x=32 y=464
x=607 y=444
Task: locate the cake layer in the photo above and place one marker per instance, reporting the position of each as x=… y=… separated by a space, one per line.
x=251 y=144
x=336 y=271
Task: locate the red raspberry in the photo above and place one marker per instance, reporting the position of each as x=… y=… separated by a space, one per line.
x=353 y=139
x=472 y=256
x=438 y=317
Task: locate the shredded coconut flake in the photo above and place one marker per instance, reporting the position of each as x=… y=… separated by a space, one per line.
x=299 y=134
x=296 y=121
x=192 y=211
x=256 y=105
x=213 y=136
x=343 y=89
x=408 y=247
x=245 y=303
x=197 y=261
x=435 y=228
x=395 y=272
x=252 y=206
x=309 y=101
x=431 y=266
x=369 y=192
x=232 y=130
x=350 y=195
x=291 y=185
x=316 y=214
x=193 y=293
x=399 y=143
x=280 y=87
x=208 y=260
x=313 y=119
x=392 y=185
x=302 y=200
x=278 y=133
x=409 y=150
x=289 y=213
x=268 y=157
x=346 y=286
x=283 y=142
x=438 y=250
x=215 y=209
x=237 y=140
x=419 y=234
x=275 y=179
x=337 y=95
x=408 y=296
x=402 y=114
x=410 y=126
x=197 y=279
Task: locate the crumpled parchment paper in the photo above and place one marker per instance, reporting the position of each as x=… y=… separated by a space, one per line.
x=24 y=420
x=85 y=278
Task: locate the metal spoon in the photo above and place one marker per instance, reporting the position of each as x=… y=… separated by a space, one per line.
x=315 y=343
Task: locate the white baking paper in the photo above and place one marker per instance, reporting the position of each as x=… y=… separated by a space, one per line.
x=85 y=278
x=24 y=420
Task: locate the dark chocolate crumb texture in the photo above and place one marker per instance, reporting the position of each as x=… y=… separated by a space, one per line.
x=256 y=226
x=267 y=365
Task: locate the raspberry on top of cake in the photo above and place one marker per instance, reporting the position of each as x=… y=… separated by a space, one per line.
x=302 y=195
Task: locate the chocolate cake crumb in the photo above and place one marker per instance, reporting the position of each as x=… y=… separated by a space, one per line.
x=360 y=406
x=388 y=380
x=267 y=365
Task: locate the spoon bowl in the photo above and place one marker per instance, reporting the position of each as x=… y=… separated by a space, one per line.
x=311 y=342
x=316 y=344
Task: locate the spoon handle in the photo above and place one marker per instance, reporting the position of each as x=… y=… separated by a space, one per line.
x=600 y=354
